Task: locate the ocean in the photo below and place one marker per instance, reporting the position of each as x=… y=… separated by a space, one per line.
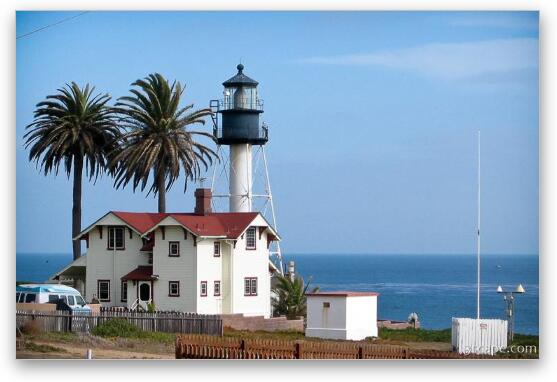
x=436 y=287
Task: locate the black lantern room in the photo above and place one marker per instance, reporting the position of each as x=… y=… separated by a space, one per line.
x=240 y=109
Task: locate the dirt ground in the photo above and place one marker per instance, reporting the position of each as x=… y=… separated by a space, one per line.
x=39 y=347
x=75 y=347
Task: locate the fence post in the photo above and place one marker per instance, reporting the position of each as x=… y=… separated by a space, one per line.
x=297 y=350
x=406 y=353
x=178 y=350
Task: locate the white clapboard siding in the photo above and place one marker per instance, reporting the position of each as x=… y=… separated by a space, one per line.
x=479 y=336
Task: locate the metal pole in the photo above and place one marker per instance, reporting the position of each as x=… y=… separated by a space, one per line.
x=479 y=221
x=268 y=184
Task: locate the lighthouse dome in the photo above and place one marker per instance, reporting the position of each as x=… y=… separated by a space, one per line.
x=240 y=79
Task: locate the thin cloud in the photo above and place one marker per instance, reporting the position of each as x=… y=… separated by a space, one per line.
x=516 y=21
x=447 y=60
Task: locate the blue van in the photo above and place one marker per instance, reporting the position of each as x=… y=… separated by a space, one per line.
x=53 y=294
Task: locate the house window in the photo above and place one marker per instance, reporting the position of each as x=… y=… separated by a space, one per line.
x=250 y=238
x=216 y=249
x=203 y=288
x=103 y=290
x=250 y=286
x=217 y=288
x=150 y=259
x=174 y=248
x=124 y=291
x=174 y=288
x=116 y=238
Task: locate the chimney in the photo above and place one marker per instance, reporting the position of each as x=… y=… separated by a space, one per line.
x=203 y=201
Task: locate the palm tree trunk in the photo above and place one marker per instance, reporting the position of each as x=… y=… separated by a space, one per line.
x=161 y=191
x=76 y=209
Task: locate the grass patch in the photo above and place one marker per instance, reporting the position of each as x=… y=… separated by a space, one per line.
x=415 y=335
x=523 y=346
x=119 y=327
x=66 y=337
x=526 y=340
x=286 y=335
x=43 y=348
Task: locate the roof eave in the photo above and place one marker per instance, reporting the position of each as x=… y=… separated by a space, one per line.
x=89 y=228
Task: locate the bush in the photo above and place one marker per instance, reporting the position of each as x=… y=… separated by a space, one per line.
x=119 y=327
x=32 y=328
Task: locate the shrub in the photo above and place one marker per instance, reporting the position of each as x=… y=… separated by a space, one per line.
x=116 y=327
x=119 y=327
x=32 y=328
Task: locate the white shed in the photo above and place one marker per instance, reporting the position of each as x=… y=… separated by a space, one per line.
x=342 y=315
x=479 y=336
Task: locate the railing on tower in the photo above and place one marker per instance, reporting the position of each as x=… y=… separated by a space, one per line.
x=246 y=104
x=262 y=133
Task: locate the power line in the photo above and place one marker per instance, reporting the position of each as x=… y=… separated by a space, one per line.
x=51 y=25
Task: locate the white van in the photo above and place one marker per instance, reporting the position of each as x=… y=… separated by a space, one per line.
x=51 y=293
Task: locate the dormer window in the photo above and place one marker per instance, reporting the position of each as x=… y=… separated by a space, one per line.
x=173 y=248
x=251 y=238
x=116 y=238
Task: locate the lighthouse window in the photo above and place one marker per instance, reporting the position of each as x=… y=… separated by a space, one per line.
x=174 y=248
x=116 y=238
x=174 y=288
x=203 y=289
x=103 y=290
x=250 y=238
x=250 y=286
x=124 y=291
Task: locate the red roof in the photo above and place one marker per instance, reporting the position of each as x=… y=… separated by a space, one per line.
x=143 y=272
x=148 y=247
x=343 y=293
x=227 y=224
x=141 y=221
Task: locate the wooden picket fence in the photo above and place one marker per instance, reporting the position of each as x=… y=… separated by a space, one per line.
x=170 y=322
x=207 y=347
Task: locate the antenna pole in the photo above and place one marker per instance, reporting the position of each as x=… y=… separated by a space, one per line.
x=479 y=221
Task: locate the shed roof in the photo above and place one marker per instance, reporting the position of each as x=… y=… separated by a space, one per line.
x=343 y=294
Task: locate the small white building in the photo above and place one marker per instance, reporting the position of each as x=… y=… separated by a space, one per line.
x=479 y=336
x=342 y=315
x=202 y=262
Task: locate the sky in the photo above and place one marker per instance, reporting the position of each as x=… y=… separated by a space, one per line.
x=373 y=116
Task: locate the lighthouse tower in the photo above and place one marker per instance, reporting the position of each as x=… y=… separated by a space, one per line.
x=240 y=130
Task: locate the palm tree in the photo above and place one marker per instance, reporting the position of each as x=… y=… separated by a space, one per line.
x=156 y=141
x=73 y=128
x=290 y=299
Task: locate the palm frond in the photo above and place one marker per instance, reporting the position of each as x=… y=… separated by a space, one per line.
x=156 y=139
x=73 y=123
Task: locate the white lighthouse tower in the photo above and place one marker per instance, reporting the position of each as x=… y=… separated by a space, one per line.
x=241 y=131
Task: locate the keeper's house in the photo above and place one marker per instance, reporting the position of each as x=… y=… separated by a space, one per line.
x=203 y=262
